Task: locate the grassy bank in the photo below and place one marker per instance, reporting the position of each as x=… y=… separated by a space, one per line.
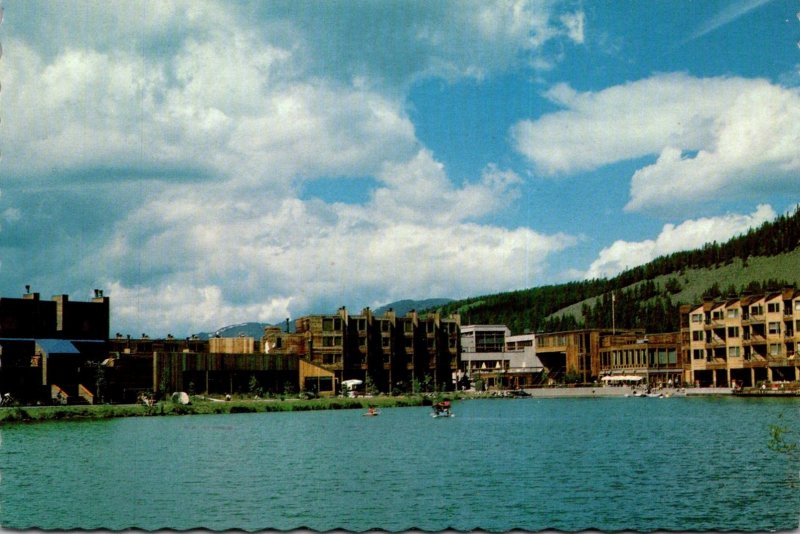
x=199 y=406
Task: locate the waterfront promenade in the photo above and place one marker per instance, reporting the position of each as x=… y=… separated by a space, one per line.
x=566 y=392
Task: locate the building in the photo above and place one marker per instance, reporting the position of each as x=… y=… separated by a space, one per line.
x=390 y=353
x=571 y=355
x=218 y=365
x=743 y=341
x=656 y=359
x=52 y=349
x=591 y=355
x=492 y=358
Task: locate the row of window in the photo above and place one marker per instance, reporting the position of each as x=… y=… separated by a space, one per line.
x=774 y=328
x=386 y=342
x=639 y=357
x=755 y=310
x=773 y=349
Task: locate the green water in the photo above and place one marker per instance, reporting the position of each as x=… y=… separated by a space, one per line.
x=569 y=464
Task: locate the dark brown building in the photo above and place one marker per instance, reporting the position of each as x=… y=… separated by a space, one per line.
x=52 y=349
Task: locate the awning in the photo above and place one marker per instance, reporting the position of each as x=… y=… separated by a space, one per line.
x=352 y=382
x=52 y=347
x=622 y=378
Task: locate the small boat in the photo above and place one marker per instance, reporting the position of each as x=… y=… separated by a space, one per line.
x=442 y=409
x=371 y=412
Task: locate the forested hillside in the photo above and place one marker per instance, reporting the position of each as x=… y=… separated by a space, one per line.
x=764 y=259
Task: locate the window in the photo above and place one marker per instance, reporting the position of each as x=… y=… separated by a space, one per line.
x=774 y=327
x=757 y=310
x=773 y=307
x=774 y=349
x=717 y=315
x=331 y=341
x=733 y=313
x=733 y=352
x=733 y=331
x=330 y=324
x=697 y=335
x=385 y=325
x=697 y=354
x=697 y=317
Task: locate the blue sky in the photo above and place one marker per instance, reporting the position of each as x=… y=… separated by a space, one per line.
x=208 y=163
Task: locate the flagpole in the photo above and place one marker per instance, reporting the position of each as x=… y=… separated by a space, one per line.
x=613 y=315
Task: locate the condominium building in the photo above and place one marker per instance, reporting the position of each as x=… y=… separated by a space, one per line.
x=742 y=341
x=391 y=352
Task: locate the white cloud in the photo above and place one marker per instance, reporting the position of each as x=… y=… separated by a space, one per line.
x=287 y=257
x=574 y=24
x=222 y=113
x=730 y=13
x=690 y=234
x=185 y=130
x=714 y=137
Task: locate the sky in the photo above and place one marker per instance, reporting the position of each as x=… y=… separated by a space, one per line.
x=208 y=163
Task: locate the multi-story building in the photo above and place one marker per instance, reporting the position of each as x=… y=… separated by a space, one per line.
x=654 y=359
x=390 y=352
x=742 y=341
x=575 y=352
x=492 y=355
x=52 y=348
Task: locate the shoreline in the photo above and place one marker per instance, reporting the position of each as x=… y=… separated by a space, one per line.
x=201 y=405
x=198 y=406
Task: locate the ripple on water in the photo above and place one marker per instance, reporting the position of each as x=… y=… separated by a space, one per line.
x=570 y=464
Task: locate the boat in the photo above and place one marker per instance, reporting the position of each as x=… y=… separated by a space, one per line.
x=442 y=409
x=371 y=412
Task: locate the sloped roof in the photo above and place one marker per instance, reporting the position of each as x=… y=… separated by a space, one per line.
x=57 y=346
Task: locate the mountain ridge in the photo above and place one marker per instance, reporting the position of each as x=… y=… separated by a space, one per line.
x=649 y=296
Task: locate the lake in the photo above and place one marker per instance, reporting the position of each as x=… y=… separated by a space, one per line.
x=568 y=464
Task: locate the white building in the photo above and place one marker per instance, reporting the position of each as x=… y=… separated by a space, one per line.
x=492 y=354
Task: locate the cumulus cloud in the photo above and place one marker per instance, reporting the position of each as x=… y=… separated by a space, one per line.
x=690 y=234
x=159 y=148
x=713 y=136
x=261 y=255
x=213 y=109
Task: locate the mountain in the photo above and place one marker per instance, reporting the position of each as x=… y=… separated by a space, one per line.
x=649 y=296
x=402 y=307
x=255 y=330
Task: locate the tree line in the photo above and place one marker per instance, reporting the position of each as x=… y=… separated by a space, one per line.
x=638 y=302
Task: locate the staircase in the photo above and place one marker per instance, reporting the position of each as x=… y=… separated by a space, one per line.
x=71 y=394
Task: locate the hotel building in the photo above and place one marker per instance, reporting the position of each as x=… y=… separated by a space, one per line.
x=742 y=341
